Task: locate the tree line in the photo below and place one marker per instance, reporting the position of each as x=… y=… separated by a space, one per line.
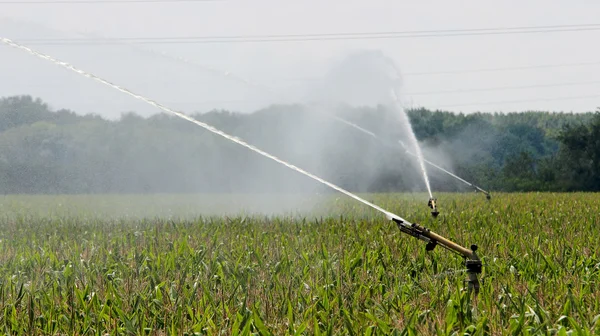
x=58 y=151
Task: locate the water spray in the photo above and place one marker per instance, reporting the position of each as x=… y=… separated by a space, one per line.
x=472 y=262
x=432 y=203
x=407 y=151
x=190 y=119
x=413 y=139
x=251 y=83
x=488 y=196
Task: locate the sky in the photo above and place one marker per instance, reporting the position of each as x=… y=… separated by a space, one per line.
x=437 y=72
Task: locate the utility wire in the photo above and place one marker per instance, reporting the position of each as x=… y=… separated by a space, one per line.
x=500 y=88
x=527 y=67
x=421 y=73
x=587 y=25
x=462 y=71
x=483 y=70
x=251 y=101
x=515 y=101
x=314 y=37
x=54 y=2
x=424 y=93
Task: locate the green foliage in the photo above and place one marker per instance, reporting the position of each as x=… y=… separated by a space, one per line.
x=581 y=154
x=65 y=271
x=44 y=151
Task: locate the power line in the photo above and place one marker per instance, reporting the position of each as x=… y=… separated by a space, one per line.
x=245 y=81
x=527 y=67
x=501 y=88
x=316 y=37
x=586 y=25
x=517 y=101
x=53 y=2
x=461 y=71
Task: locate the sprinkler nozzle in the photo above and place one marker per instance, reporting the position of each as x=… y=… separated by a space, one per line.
x=433 y=206
x=488 y=196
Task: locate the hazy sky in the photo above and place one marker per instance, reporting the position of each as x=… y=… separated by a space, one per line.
x=294 y=67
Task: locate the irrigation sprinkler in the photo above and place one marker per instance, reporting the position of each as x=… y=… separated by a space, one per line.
x=250 y=83
x=488 y=196
x=253 y=84
x=432 y=201
x=433 y=206
x=473 y=264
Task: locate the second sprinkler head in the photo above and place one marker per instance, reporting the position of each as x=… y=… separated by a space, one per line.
x=433 y=206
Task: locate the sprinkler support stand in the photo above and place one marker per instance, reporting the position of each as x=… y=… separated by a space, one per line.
x=472 y=261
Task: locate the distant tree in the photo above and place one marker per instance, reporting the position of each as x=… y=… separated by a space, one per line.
x=519 y=173
x=45 y=151
x=580 y=155
x=22 y=110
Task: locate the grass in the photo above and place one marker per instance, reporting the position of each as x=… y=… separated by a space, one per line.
x=95 y=265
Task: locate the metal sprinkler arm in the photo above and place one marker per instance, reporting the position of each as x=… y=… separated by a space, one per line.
x=472 y=261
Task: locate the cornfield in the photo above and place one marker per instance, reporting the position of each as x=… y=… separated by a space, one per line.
x=168 y=265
